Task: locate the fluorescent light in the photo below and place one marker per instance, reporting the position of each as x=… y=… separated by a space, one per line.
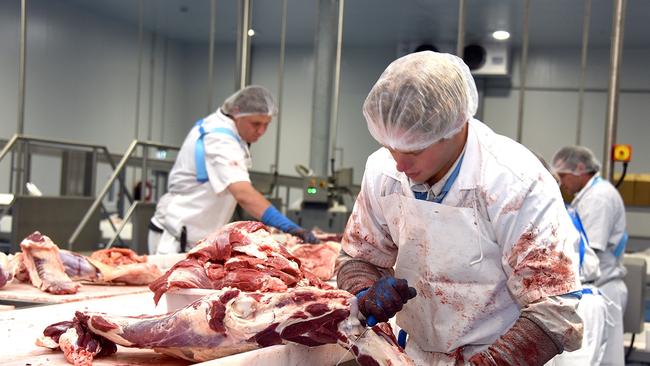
x=251 y=32
x=500 y=35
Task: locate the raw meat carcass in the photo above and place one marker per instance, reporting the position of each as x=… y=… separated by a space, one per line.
x=46 y=271
x=231 y=321
x=78 y=267
x=118 y=256
x=123 y=265
x=319 y=259
x=243 y=255
x=6 y=273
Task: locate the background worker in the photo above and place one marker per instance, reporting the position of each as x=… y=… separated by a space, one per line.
x=602 y=212
x=210 y=176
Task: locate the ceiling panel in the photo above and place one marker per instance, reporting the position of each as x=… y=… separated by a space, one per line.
x=387 y=22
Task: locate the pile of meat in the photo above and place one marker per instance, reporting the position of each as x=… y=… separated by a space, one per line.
x=57 y=271
x=318 y=259
x=242 y=255
x=262 y=297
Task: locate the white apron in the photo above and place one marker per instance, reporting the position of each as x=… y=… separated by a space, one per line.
x=462 y=300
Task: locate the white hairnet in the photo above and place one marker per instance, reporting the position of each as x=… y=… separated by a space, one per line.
x=251 y=100
x=419 y=99
x=575 y=160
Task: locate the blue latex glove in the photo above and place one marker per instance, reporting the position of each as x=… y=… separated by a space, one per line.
x=275 y=218
x=384 y=299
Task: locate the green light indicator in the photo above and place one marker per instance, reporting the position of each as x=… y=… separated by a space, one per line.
x=311 y=190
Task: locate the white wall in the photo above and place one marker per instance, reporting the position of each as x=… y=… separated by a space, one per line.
x=551 y=104
x=81 y=83
x=82 y=71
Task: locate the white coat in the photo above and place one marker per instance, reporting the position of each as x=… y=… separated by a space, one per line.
x=592 y=309
x=500 y=240
x=602 y=211
x=202 y=207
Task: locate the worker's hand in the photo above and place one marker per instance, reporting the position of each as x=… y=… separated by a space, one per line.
x=384 y=299
x=306 y=235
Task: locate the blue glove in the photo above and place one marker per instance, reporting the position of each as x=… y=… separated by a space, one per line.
x=275 y=218
x=306 y=236
x=384 y=299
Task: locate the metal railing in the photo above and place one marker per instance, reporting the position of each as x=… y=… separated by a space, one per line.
x=28 y=145
x=146 y=145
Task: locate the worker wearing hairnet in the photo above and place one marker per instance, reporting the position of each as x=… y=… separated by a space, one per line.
x=210 y=176
x=459 y=231
x=602 y=212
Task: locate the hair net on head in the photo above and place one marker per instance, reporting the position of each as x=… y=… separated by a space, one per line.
x=419 y=99
x=251 y=100
x=575 y=160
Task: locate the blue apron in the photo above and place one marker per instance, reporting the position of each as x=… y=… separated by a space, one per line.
x=199 y=148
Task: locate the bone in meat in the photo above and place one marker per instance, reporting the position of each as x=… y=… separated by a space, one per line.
x=46 y=271
x=232 y=321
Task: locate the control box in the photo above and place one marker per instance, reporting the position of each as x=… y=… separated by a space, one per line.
x=315 y=190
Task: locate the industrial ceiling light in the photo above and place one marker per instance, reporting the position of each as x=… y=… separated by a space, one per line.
x=500 y=35
x=251 y=32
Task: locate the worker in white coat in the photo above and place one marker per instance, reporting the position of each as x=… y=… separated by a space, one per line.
x=210 y=176
x=459 y=231
x=602 y=212
x=592 y=307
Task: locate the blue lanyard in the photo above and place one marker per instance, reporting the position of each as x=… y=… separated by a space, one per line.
x=584 y=240
x=446 y=187
x=620 y=247
x=199 y=148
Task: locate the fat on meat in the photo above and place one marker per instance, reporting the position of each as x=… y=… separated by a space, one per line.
x=231 y=321
x=243 y=255
x=319 y=259
x=46 y=271
x=123 y=265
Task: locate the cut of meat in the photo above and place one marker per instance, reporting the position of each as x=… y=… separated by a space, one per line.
x=17 y=265
x=319 y=259
x=117 y=256
x=6 y=274
x=242 y=255
x=46 y=271
x=123 y=265
x=53 y=270
x=232 y=321
x=77 y=266
x=129 y=274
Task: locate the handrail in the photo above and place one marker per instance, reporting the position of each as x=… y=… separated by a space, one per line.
x=125 y=220
x=10 y=144
x=19 y=137
x=116 y=172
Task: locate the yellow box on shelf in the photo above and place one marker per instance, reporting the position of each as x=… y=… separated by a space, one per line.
x=626 y=189
x=642 y=190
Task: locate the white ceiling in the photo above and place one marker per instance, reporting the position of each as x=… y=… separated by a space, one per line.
x=386 y=22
